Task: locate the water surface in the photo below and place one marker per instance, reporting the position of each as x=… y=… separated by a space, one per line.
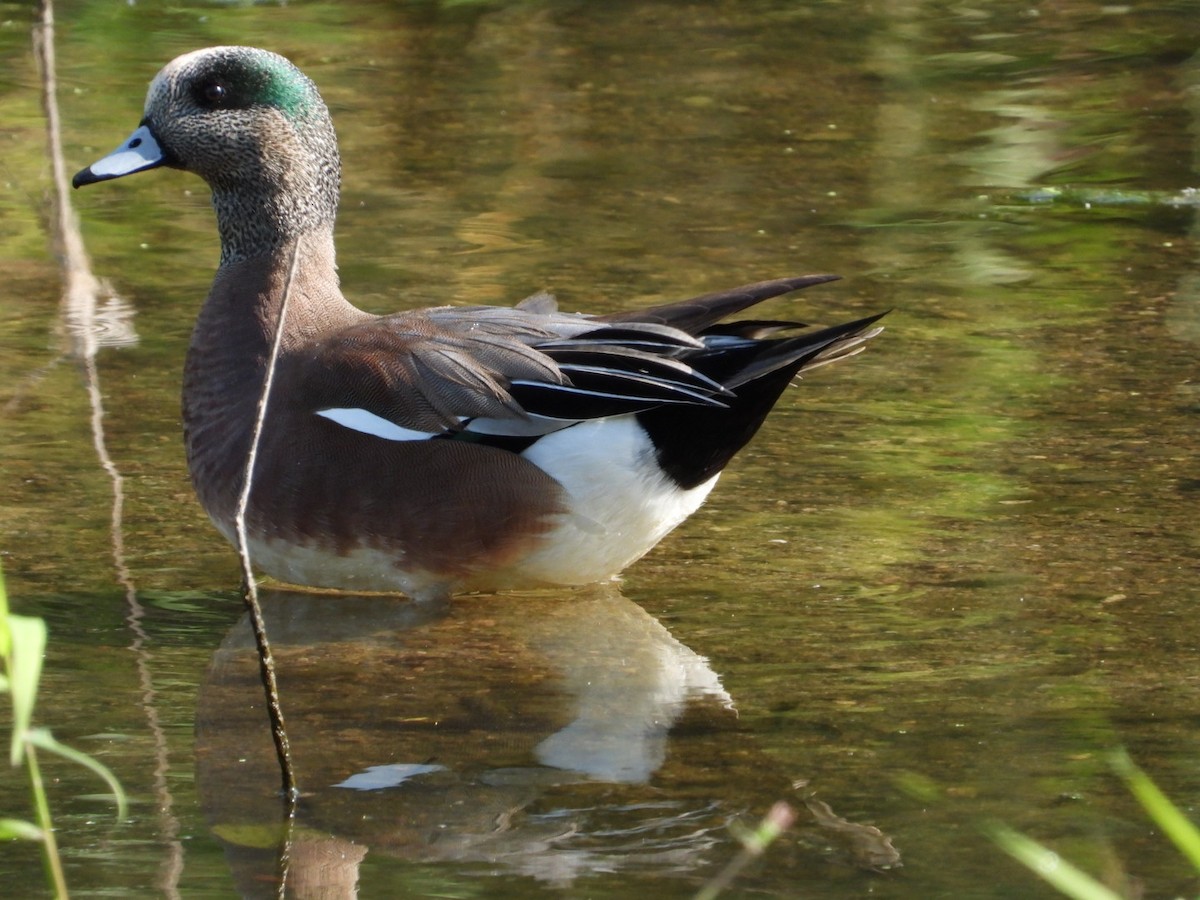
x=945 y=580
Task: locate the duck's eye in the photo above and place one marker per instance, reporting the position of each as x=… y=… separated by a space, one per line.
x=214 y=93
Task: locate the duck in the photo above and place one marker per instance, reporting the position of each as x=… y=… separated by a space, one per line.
x=432 y=451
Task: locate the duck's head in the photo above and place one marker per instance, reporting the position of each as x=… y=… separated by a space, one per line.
x=250 y=124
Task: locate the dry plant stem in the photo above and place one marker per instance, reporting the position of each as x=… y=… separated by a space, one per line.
x=81 y=286
x=266 y=662
x=81 y=290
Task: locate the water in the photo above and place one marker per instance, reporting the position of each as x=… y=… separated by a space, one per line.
x=947 y=578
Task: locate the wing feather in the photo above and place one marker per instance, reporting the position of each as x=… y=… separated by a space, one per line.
x=436 y=371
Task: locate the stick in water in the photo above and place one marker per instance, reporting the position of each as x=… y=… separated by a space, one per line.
x=266 y=661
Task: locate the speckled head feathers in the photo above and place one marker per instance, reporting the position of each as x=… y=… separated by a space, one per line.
x=254 y=127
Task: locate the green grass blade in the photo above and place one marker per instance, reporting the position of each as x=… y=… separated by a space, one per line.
x=1166 y=815
x=5 y=637
x=40 y=737
x=19 y=829
x=24 y=672
x=1051 y=867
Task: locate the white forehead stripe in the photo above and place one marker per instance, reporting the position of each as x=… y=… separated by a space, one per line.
x=157 y=86
x=161 y=83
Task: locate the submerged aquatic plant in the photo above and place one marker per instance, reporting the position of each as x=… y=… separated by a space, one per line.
x=22 y=646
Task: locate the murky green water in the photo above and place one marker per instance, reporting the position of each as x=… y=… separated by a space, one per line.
x=945 y=580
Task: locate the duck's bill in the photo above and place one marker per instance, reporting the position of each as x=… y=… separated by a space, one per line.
x=139 y=152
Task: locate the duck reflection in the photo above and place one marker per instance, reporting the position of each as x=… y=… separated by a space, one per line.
x=526 y=733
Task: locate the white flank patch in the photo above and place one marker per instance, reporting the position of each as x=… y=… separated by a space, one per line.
x=369 y=423
x=621 y=502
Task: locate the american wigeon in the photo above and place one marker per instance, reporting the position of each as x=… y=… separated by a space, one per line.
x=440 y=449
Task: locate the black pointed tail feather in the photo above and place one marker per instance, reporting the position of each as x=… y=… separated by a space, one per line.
x=808 y=351
x=699 y=313
x=695 y=443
